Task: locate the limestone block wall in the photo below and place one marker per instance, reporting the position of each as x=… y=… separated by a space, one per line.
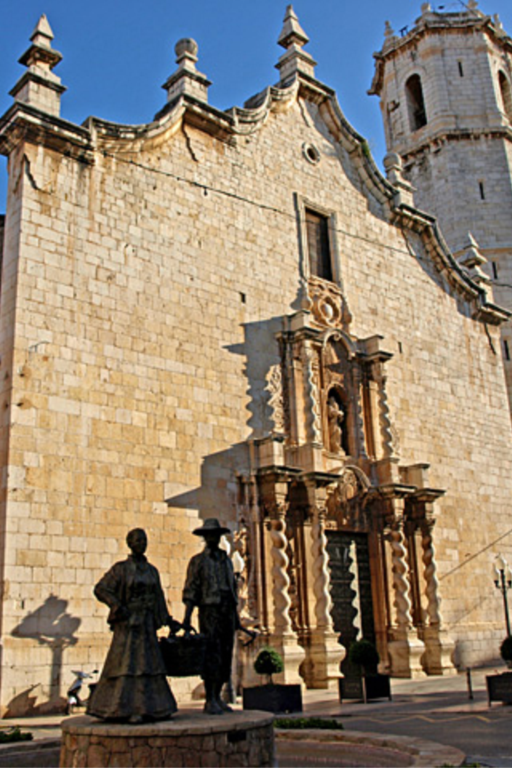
x=140 y=298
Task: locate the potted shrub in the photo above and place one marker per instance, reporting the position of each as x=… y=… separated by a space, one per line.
x=499 y=687
x=272 y=697
x=506 y=651
x=364 y=682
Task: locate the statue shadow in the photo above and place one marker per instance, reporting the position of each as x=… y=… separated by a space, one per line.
x=54 y=628
x=220 y=470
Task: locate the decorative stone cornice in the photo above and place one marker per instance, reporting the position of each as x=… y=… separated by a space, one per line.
x=23 y=122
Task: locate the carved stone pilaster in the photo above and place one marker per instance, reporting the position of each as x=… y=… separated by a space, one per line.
x=321 y=575
x=405 y=648
x=387 y=465
x=401 y=600
x=275 y=403
x=439 y=646
x=431 y=582
x=311 y=403
x=283 y=638
x=357 y=377
x=280 y=578
x=324 y=654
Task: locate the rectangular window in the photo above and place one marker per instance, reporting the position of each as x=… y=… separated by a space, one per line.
x=506 y=350
x=494 y=270
x=461 y=70
x=482 y=190
x=317 y=227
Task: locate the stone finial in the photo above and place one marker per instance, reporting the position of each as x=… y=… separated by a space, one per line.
x=497 y=22
x=472 y=5
x=388 y=30
x=294 y=61
x=395 y=175
x=390 y=37
x=187 y=80
x=292 y=31
x=426 y=8
x=39 y=86
x=471 y=258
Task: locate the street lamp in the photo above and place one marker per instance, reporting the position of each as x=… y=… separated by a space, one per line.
x=502 y=576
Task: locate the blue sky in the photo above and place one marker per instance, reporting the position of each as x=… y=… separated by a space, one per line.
x=117 y=53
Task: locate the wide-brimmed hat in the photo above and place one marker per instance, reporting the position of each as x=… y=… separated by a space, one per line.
x=209 y=525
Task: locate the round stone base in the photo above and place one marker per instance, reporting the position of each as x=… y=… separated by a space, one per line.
x=189 y=739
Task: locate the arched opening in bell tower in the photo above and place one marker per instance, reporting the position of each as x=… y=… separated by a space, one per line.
x=506 y=93
x=415 y=103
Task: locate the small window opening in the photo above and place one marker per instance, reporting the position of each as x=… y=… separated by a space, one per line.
x=482 y=190
x=415 y=103
x=506 y=93
x=400 y=349
x=461 y=69
x=494 y=270
x=317 y=227
x=506 y=350
x=242 y=297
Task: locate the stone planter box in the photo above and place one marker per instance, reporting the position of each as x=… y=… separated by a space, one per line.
x=273 y=698
x=365 y=688
x=499 y=687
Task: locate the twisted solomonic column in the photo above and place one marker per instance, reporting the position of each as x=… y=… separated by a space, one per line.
x=401 y=600
x=432 y=584
x=388 y=448
x=312 y=417
x=280 y=578
x=321 y=575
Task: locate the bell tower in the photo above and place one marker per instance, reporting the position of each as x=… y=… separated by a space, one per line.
x=445 y=89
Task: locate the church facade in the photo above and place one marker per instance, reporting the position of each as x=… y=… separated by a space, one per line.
x=236 y=315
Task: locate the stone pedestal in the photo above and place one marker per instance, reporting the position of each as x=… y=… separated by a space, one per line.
x=190 y=738
x=323 y=658
x=406 y=652
x=439 y=648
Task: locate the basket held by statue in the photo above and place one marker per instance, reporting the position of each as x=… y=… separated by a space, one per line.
x=183 y=654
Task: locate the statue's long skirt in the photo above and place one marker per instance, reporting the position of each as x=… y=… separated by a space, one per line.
x=133 y=681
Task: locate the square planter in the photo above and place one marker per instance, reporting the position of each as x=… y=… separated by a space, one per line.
x=499 y=687
x=273 y=698
x=365 y=688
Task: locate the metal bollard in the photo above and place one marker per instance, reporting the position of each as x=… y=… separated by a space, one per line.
x=470 y=686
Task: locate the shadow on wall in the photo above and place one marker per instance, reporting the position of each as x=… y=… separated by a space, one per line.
x=51 y=626
x=217 y=495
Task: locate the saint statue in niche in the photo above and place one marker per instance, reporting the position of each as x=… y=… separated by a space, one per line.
x=335 y=418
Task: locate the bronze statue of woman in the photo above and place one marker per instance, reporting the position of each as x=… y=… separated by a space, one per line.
x=133 y=686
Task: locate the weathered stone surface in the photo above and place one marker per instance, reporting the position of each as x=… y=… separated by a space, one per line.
x=116 y=745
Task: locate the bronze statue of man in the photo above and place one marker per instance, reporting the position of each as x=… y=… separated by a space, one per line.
x=210 y=586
